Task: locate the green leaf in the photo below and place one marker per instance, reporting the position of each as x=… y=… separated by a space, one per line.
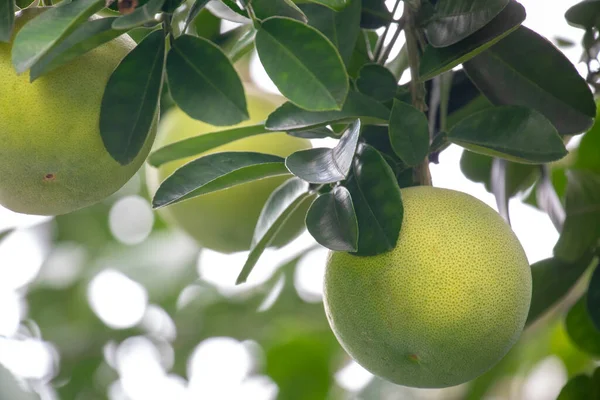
x=216 y=172
x=436 y=60
x=202 y=143
x=515 y=133
x=46 y=30
x=509 y=74
x=334 y=5
x=204 y=83
x=277 y=8
x=581 y=329
x=548 y=200
x=130 y=100
x=86 y=37
x=139 y=16
x=237 y=42
x=577 y=388
x=292 y=52
x=376 y=81
x=228 y=10
x=331 y=220
x=279 y=207
x=593 y=298
x=377 y=202
x=194 y=11
x=552 y=280
x=7 y=19
x=374 y=14
x=587 y=152
x=315 y=133
x=409 y=133
x=325 y=165
x=342 y=27
x=454 y=20
x=585 y=14
x=290 y=117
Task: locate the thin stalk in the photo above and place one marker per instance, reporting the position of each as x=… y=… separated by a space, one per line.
x=386 y=53
x=381 y=41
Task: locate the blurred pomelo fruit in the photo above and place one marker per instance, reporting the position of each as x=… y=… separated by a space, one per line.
x=224 y=221
x=441 y=308
x=52 y=158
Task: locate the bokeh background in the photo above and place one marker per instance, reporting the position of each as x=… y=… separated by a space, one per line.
x=110 y=302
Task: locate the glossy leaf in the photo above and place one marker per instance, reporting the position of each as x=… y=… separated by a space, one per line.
x=281 y=204
x=581 y=329
x=409 y=133
x=202 y=143
x=374 y=14
x=593 y=298
x=290 y=117
x=577 y=388
x=216 y=172
x=131 y=97
x=86 y=37
x=46 y=30
x=508 y=74
x=377 y=202
x=454 y=20
x=324 y=165
x=277 y=8
x=331 y=220
x=194 y=11
x=293 y=52
x=139 y=16
x=314 y=133
x=7 y=19
x=515 y=133
x=436 y=60
x=582 y=224
x=584 y=14
x=376 y=81
x=203 y=82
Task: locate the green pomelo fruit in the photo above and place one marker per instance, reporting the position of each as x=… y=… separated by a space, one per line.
x=224 y=221
x=441 y=308
x=52 y=158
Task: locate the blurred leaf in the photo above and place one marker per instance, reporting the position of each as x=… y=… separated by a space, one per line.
x=454 y=20
x=581 y=329
x=585 y=14
x=377 y=202
x=362 y=53
x=277 y=8
x=334 y=5
x=228 y=10
x=131 y=97
x=282 y=47
x=581 y=230
x=279 y=207
x=204 y=83
x=324 y=165
x=436 y=60
x=377 y=82
x=216 y=172
x=237 y=42
x=498 y=183
x=331 y=220
x=508 y=74
x=515 y=133
x=314 y=133
x=548 y=200
x=374 y=14
x=194 y=11
x=202 y=143
x=46 y=30
x=86 y=37
x=139 y=16
x=577 y=388
x=7 y=19
x=171 y=5
x=5 y=233
x=587 y=152
x=409 y=133
x=290 y=117
x=471 y=107
x=593 y=298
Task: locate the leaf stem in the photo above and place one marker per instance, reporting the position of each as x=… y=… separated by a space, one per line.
x=386 y=53
x=381 y=41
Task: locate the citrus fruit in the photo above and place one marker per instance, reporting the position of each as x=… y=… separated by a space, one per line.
x=224 y=221
x=441 y=308
x=52 y=158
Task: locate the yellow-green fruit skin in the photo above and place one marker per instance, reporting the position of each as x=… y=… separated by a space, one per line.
x=52 y=158
x=224 y=221
x=445 y=305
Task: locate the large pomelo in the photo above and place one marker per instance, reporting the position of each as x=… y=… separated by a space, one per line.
x=441 y=308
x=52 y=158
x=224 y=221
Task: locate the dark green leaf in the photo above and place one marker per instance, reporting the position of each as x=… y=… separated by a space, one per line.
x=374 y=14
x=171 y=5
x=290 y=117
x=377 y=202
x=587 y=152
x=204 y=83
x=362 y=53
x=342 y=28
x=281 y=204
x=237 y=42
x=130 y=100
x=46 y=30
x=436 y=60
x=593 y=298
x=552 y=280
x=585 y=14
x=582 y=224
x=577 y=388
x=332 y=222
x=86 y=37
x=277 y=8
x=334 y=5
x=325 y=165
x=202 y=143
x=581 y=329
x=23 y=3
x=409 y=133
x=454 y=20
x=216 y=172
x=292 y=52
x=509 y=74
x=515 y=133
x=7 y=19
x=139 y=16
x=377 y=82
x=194 y=11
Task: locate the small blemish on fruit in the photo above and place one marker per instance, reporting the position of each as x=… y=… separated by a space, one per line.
x=49 y=177
x=413 y=358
